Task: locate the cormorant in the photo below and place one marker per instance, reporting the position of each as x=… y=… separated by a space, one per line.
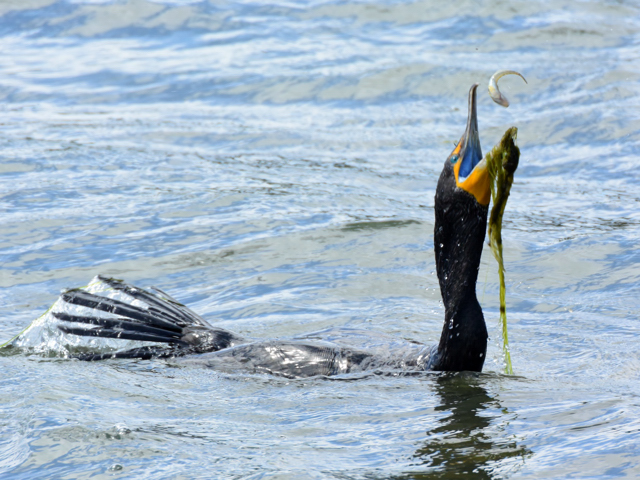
x=461 y=204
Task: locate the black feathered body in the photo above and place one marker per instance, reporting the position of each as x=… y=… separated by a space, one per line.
x=460 y=226
x=459 y=234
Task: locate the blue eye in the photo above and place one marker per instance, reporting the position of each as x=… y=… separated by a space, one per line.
x=454 y=158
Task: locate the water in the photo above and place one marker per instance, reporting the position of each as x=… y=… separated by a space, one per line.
x=273 y=167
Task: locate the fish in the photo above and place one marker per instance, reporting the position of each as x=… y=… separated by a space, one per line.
x=494 y=91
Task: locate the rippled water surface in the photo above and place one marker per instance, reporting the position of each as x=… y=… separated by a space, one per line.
x=273 y=167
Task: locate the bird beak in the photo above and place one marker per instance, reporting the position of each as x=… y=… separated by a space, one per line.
x=469 y=167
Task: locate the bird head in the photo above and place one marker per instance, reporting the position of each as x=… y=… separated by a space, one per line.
x=469 y=168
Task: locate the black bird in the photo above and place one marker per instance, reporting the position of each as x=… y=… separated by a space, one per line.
x=461 y=204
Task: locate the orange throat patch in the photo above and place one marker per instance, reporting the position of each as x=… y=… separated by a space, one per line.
x=477 y=183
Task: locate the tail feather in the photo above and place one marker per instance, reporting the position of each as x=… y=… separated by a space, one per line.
x=167 y=322
x=167 y=305
x=126 y=328
x=142 y=353
x=111 y=333
x=111 y=305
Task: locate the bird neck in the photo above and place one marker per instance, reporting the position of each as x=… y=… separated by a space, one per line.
x=460 y=227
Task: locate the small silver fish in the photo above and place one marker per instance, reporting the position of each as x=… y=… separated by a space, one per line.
x=494 y=91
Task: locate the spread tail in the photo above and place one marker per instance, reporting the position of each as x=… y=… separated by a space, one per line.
x=177 y=330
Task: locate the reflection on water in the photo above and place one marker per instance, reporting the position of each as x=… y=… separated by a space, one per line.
x=468 y=443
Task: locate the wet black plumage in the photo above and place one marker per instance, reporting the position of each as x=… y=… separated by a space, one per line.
x=458 y=240
x=460 y=226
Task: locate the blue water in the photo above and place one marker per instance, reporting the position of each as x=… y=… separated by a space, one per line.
x=273 y=167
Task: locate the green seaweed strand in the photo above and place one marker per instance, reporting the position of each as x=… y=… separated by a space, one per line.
x=502 y=162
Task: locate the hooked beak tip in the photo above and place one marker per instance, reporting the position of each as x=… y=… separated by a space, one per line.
x=472 y=119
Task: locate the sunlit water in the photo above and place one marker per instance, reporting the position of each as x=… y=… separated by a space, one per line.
x=273 y=167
